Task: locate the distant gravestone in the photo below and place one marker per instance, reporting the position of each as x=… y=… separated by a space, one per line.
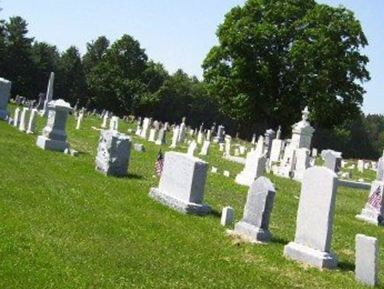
x=313 y=236
x=54 y=136
x=113 y=153
x=161 y=137
x=277 y=146
x=373 y=212
x=302 y=163
x=269 y=135
x=145 y=129
x=214 y=170
x=139 y=147
x=79 y=119
x=114 y=123
x=360 y=166
x=367 y=260
x=5 y=93
x=227 y=216
x=380 y=169
x=192 y=148
x=226 y=174
x=220 y=134
x=182 y=184
x=175 y=137
x=105 y=120
x=24 y=119
x=254 y=168
x=152 y=135
x=16 y=117
x=333 y=161
x=257 y=211
x=32 y=121
x=205 y=148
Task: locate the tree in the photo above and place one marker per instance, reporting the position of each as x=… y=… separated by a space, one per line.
x=96 y=50
x=2 y=47
x=70 y=81
x=19 y=66
x=46 y=58
x=275 y=57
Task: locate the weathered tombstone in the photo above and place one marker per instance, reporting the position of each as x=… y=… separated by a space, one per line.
x=182 y=132
x=220 y=134
x=254 y=168
x=260 y=146
x=152 y=135
x=146 y=124
x=380 y=169
x=227 y=150
x=257 y=211
x=162 y=137
x=139 y=147
x=214 y=170
x=367 y=260
x=287 y=165
x=333 y=161
x=301 y=163
x=32 y=121
x=360 y=166
x=114 y=123
x=175 y=137
x=5 y=93
x=191 y=149
x=113 y=153
x=302 y=132
x=313 y=236
x=373 y=212
x=24 y=119
x=79 y=120
x=276 y=149
x=105 y=120
x=227 y=216
x=182 y=184
x=269 y=135
x=16 y=117
x=54 y=136
x=205 y=148
x=208 y=135
x=226 y=174
x=200 y=136
x=49 y=94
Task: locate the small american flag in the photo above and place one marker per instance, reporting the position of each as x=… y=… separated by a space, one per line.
x=375 y=198
x=159 y=164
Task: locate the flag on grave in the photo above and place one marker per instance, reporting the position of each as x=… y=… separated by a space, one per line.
x=375 y=198
x=159 y=163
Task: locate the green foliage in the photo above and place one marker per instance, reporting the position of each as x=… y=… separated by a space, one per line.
x=275 y=57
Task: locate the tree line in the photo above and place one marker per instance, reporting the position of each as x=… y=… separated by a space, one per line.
x=272 y=59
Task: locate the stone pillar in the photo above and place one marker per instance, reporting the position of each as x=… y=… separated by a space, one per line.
x=54 y=136
x=182 y=184
x=5 y=93
x=257 y=211
x=113 y=153
x=313 y=236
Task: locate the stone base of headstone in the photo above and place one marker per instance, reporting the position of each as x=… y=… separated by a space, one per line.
x=3 y=114
x=52 y=145
x=179 y=205
x=371 y=216
x=252 y=232
x=310 y=256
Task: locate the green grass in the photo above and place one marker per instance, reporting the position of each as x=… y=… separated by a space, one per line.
x=64 y=225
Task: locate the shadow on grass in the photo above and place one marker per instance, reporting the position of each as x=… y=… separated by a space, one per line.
x=215 y=213
x=346 y=266
x=133 y=177
x=279 y=241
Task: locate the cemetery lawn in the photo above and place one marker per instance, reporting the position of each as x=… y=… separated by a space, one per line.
x=64 y=225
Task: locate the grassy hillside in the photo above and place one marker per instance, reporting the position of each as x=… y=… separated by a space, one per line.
x=64 y=225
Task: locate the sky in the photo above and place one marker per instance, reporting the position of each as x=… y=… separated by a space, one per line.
x=177 y=33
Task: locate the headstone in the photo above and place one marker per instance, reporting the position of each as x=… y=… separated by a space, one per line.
x=191 y=149
x=24 y=119
x=145 y=130
x=314 y=152
x=208 y=135
x=32 y=121
x=287 y=165
x=221 y=147
x=220 y=134
x=242 y=150
x=205 y=148
x=367 y=165
x=162 y=137
x=182 y=184
x=152 y=135
x=301 y=163
x=380 y=169
x=16 y=117
x=228 y=140
x=105 y=120
x=302 y=132
x=260 y=146
x=373 y=212
x=227 y=216
x=79 y=120
x=200 y=137
x=114 y=123
x=139 y=147
x=54 y=136
x=49 y=94
x=313 y=236
x=254 y=168
x=367 y=260
x=253 y=141
x=214 y=170
x=113 y=153
x=257 y=211
x=360 y=166
x=182 y=131
x=5 y=93
x=175 y=137
x=277 y=146
x=269 y=135
x=333 y=161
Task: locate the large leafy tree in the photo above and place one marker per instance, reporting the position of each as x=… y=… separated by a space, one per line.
x=96 y=50
x=70 y=81
x=275 y=57
x=18 y=62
